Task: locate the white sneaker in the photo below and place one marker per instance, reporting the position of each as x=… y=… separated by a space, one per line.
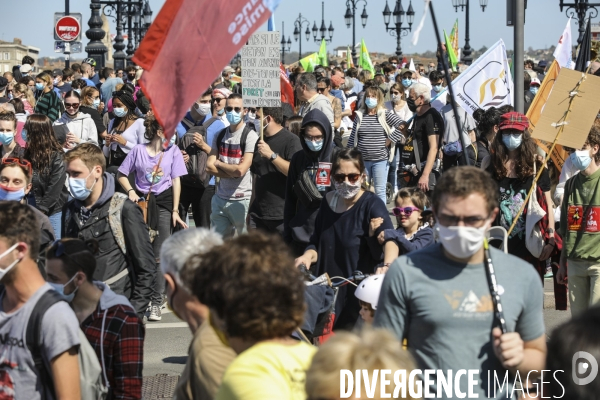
x=155 y=314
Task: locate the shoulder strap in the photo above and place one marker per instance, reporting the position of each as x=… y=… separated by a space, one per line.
x=157 y=168
x=210 y=122
x=115 y=219
x=34 y=334
x=220 y=138
x=416 y=152
x=245 y=133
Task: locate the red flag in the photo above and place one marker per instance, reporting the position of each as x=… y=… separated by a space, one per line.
x=187 y=46
x=287 y=91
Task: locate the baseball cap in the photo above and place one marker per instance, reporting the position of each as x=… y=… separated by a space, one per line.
x=228 y=69
x=542 y=64
x=25 y=68
x=535 y=81
x=3 y=83
x=90 y=61
x=405 y=70
x=57 y=72
x=514 y=120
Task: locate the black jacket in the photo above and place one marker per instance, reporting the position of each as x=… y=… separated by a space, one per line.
x=48 y=186
x=298 y=220
x=140 y=261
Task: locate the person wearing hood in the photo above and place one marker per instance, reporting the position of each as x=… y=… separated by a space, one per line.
x=125 y=261
x=306 y=91
x=107 y=319
x=300 y=209
x=81 y=126
x=343 y=241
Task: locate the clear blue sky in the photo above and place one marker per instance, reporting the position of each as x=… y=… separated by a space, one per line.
x=544 y=23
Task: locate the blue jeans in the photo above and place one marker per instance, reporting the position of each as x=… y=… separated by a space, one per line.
x=378 y=172
x=227 y=214
x=55 y=221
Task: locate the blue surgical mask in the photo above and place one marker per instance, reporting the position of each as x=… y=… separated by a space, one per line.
x=6 y=138
x=24 y=134
x=437 y=88
x=119 y=112
x=78 y=188
x=371 y=102
x=534 y=89
x=60 y=289
x=221 y=111
x=233 y=117
x=581 y=159
x=77 y=90
x=317 y=145
x=96 y=103
x=171 y=141
x=406 y=82
x=512 y=141
x=11 y=195
x=39 y=86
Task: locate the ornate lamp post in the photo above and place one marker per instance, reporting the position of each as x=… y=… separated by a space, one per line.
x=95 y=48
x=466 y=54
x=397 y=30
x=578 y=10
x=323 y=29
x=285 y=46
x=298 y=23
x=350 y=18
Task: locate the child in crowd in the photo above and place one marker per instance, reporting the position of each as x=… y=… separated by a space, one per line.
x=367 y=294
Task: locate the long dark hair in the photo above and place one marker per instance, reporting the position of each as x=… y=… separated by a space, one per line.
x=524 y=160
x=486 y=120
x=41 y=142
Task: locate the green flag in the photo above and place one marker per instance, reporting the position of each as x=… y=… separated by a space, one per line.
x=309 y=62
x=323 y=59
x=451 y=53
x=364 y=59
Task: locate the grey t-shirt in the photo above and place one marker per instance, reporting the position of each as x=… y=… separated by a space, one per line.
x=18 y=375
x=230 y=152
x=445 y=311
x=450 y=131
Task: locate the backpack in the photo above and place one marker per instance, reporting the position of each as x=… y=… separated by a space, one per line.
x=197 y=175
x=90 y=372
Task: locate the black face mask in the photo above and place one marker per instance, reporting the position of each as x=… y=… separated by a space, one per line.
x=411 y=104
x=131 y=77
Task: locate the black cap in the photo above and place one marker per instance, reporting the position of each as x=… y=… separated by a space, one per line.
x=57 y=72
x=3 y=83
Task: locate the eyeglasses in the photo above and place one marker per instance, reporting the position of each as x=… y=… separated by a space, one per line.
x=23 y=163
x=451 y=220
x=352 y=178
x=321 y=89
x=312 y=138
x=237 y=109
x=398 y=211
x=252 y=110
x=216 y=99
x=71 y=105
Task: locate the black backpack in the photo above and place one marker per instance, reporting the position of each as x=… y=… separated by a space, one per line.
x=197 y=175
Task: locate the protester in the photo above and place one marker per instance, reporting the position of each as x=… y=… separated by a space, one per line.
x=21 y=91
x=8 y=129
x=21 y=117
x=399 y=107
x=218 y=102
x=437 y=86
x=59 y=84
x=91 y=105
x=487 y=128
x=125 y=261
x=48 y=103
x=208 y=356
x=15 y=185
x=306 y=91
x=578 y=223
x=294 y=125
x=50 y=374
x=511 y=164
x=88 y=70
x=110 y=82
x=301 y=202
x=340 y=244
x=367 y=294
x=375 y=133
x=453 y=143
x=421 y=148
x=230 y=159
x=82 y=128
x=107 y=319
x=270 y=169
x=255 y=314
x=441 y=294
x=49 y=175
x=324 y=87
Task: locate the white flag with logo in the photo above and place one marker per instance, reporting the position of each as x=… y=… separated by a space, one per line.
x=487 y=82
x=564 y=48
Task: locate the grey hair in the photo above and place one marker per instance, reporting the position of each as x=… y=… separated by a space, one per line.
x=180 y=246
x=348 y=83
x=309 y=80
x=7 y=107
x=422 y=89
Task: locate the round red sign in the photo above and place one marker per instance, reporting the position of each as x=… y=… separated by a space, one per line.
x=67 y=28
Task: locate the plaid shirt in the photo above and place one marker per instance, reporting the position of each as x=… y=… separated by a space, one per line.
x=123 y=348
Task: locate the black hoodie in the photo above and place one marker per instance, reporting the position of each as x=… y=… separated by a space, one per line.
x=298 y=220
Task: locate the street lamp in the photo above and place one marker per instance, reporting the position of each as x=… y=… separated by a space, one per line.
x=324 y=30
x=147 y=15
x=397 y=30
x=298 y=23
x=137 y=11
x=350 y=18
x=578 y=10
x=285 y=46
x=464 y=6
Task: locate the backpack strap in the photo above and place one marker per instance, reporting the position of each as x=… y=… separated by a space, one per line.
x=33 y=337
x=220 y=137
x=245 y=133
x=115 y=211
x=210 y=122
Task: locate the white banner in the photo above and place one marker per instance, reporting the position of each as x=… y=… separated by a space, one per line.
x=487 y=82
x=261 y=76
x=564 y=48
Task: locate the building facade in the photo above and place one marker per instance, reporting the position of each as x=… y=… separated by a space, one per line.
x=12 y=53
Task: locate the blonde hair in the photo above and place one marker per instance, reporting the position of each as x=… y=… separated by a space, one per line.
x=86 y=93
x=372 y=91
x=370 y=349
x=23 y=89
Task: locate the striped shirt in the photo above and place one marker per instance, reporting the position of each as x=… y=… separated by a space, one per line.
x=372 y=136
x=50 y=105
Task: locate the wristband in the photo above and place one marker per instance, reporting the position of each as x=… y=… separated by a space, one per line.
x=175 y=211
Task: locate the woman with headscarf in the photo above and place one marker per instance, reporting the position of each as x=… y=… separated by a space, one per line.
x=80 y=125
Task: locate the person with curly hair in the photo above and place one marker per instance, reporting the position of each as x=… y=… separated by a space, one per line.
x=256 y=300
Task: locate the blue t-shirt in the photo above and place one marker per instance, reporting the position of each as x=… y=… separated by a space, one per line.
x=211 y=134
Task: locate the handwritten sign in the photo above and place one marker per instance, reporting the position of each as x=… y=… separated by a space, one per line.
x=260 y=70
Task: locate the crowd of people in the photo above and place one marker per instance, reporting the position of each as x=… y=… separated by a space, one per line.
x=96 y=200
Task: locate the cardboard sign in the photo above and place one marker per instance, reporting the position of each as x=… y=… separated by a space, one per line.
x=260 y=63
x=583 y=111
x=323 y=178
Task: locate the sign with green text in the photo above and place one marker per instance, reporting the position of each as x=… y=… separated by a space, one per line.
x=260 y=70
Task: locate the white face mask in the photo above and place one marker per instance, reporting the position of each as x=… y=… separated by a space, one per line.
x=5 y=271
x=461 y=241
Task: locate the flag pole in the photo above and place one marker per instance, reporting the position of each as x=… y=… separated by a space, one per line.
x=449 y=83
x=561 y=124
x=262 y=129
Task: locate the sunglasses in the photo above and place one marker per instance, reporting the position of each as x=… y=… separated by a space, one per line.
x=237 y=109
x=71 y=105
x=352 y=178
x=23 y=163
x=216 y=99
x=321 y=90
x=252 y=110
x=398 y=211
